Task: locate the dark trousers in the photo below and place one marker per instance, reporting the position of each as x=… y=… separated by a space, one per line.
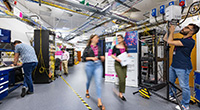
x=121 y=73
x=28 y=69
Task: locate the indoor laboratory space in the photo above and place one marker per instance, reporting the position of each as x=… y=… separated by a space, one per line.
x=99 y=55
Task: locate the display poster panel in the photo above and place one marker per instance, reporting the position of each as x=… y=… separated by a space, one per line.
x=109 y=61
x=131 y=40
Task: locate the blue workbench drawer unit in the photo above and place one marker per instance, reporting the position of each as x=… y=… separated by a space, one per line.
x=197 y=84
x=3 y=78
x=3 y=89
x=4 y=93
x=4 y=72
x=3 y=85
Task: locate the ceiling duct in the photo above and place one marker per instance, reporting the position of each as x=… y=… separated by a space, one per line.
x=44 y=13
x=66 y=14
x=132 y=9
x=76 y=4
x=96 y=10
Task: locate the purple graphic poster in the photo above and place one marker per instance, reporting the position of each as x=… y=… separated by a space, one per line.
x=131 y=41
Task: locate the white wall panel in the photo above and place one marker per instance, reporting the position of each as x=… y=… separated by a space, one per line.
x=19 y=29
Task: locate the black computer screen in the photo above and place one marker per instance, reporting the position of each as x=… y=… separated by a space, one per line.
x=5 y=35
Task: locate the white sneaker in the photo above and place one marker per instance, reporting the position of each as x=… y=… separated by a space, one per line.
x=172 y=98
x=184 y=108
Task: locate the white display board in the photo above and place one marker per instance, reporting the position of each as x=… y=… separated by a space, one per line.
x=109 y=61
x=132 y=69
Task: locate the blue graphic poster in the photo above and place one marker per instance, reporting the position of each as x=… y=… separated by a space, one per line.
x=108 y=46
x=131 y=41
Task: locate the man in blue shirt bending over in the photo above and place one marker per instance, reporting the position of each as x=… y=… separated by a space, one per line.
x=29 y=59
x=181 y=65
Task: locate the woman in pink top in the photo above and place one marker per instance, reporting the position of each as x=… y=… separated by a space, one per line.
x=93 y=57
x=120 y=70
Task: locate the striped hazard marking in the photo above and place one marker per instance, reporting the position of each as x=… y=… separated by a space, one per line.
x=89 y=108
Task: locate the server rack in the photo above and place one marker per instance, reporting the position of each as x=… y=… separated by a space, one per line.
x=71 y=54
x=42 y=40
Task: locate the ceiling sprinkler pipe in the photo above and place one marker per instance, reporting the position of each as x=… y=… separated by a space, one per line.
x=83 y=25
x=116 y=16
x=92 y=28
x=87 y=30
x=142 y=21
x=100 y=24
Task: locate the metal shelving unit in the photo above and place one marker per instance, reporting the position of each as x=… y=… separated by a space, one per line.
x=149 y=59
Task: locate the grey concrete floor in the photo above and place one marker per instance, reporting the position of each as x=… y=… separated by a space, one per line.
x=57 y=95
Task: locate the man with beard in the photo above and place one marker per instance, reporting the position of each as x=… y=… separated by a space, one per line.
x=181 y=65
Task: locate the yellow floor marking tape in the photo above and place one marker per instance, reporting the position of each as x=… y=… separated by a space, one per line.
x=89 y=108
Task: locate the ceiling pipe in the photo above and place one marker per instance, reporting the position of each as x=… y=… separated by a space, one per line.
x=98 y=25
x=77 y=4
x=135 y=2
x=113 y=15
x=80 y=33
x=60 y=7
x=95 y=10
x=72 y=37
x=124 y=4
x=139 y=27
x=142 y=21
x=139 y=23
x=34 y=15
x=83 y=25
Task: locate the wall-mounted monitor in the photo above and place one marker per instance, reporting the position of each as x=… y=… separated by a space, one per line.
x=5 y=35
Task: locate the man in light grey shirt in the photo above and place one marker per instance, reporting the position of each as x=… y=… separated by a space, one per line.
x=29 y=59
